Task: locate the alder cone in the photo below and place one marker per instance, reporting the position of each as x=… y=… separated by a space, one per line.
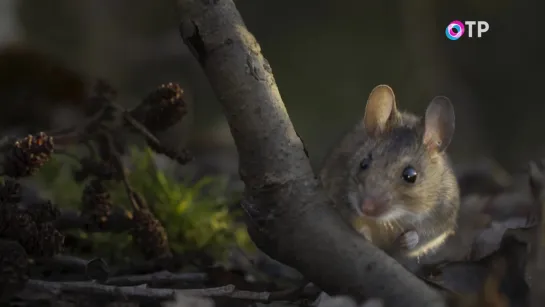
x=26 y=156
x=38 y=239
x=49 y=242
x=44 y=212
x=162 y=108
x=149 y=235
x=96 y=201
x=181 y=156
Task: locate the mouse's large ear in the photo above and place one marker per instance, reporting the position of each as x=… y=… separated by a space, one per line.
x=381 y=106
x=439 y=124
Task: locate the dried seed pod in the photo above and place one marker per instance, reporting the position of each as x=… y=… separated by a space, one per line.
x=49 y=243
x=16 y=224
x=13 y=269
x=10 y=191
x=182 y=156
x=96 y=201
x=43 y=212
x=149 y=235
x=24 y=157
x=37 y=239
x=44 y=241
x=162 y=108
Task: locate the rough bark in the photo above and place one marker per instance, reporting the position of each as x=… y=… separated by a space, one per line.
x=290 y=217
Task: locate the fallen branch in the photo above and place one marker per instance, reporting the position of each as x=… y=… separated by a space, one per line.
x=290 y=217
x=138 y=293
x=174 y=263
x=143 y=294
x=156 y=279
x=93 y=269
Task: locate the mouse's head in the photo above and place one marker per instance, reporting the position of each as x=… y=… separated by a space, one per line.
x=401 y=170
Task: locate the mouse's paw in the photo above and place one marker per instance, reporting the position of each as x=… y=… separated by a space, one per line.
x=366 y=232
x=408 y=240
x=532 y=220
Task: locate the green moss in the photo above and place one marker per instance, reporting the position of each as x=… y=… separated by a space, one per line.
x=55 y=178
x=195 y=215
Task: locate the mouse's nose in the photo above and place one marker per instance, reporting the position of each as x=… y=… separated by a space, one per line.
x=372 y=207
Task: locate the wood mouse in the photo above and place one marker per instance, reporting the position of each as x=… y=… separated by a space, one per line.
x=392 y=180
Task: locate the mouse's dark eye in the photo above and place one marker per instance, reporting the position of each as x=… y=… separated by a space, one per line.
x=409 y=174
x=364 y=164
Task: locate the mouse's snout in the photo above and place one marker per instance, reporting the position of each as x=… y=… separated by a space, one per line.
x=374 y=207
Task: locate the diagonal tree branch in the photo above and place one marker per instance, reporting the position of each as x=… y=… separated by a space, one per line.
x=290 y=217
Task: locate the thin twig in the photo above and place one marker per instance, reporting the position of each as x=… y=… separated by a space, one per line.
x=118 y=163
x=97 y=117
x=141 y=129
x=65 y=136
x=159 y=278
x=181 y=157
x=92 y=269
x=174 y=263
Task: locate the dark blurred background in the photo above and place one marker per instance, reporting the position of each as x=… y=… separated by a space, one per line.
x=326 y=56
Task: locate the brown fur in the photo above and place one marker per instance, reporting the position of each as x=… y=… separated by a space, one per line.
x=396 y=141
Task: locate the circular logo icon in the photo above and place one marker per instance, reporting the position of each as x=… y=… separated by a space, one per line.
x=455 y=30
